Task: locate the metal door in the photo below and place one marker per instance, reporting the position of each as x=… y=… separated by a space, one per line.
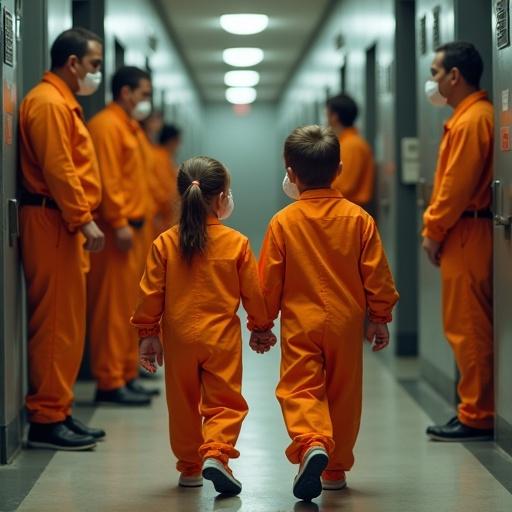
x=12 y=354
x=502 y=61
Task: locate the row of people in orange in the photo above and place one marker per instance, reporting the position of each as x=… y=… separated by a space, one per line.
x=86 y=225
x=322 y=268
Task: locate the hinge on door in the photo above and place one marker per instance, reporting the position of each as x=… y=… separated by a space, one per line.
x=497 y=205
x=14 y=224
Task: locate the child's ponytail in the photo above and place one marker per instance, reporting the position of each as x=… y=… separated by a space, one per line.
x=200 y=179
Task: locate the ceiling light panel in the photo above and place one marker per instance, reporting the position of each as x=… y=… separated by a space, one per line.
x=244 y=24
x=245 y=78
x=242 y=57
x=241 y=95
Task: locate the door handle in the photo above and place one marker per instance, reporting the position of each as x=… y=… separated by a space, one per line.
x=14 y=224
x=497 y=205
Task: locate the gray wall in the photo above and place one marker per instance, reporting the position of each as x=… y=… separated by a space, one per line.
x=249 y=146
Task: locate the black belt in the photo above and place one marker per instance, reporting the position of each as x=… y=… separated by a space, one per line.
x=137 y=223
x=477 y=214
x=29 y=199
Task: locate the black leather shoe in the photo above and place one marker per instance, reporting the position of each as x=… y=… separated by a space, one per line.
x=455 y=431
x=78 y=427
x=135 y=387
x=121 y=396
x=57 y=436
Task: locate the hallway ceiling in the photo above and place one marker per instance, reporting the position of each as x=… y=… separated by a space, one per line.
x=196 y=28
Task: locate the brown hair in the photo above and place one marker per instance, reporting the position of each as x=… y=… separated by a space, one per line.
x=313 y=153
x=200 y=179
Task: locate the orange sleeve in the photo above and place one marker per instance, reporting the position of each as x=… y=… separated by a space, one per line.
x=470 y=148
x=49 y=135
x=271 y=271
x=151 y=301
x=250 y=290
x=107 y=142
x=381 y=294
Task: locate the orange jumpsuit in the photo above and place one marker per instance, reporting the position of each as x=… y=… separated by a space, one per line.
x=323 y=266
x=462 y=182
x=196 y=306
x=57 y=160
x=357 y=178
x=112 y=282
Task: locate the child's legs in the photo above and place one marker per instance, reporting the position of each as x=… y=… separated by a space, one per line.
x=183 y=392
x=343 y=363
x=222 y=405
x=302 y=395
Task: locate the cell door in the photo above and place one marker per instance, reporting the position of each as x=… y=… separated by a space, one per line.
x=502 y=60
x=12 y=354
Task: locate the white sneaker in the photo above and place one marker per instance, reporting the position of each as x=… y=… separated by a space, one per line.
x=334 y=485
x=307 y=484
x=191 y=481
x=223 y=481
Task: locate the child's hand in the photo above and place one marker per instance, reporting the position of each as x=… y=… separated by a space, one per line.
x=150 y=350
x=377 y=335
x=262 y=341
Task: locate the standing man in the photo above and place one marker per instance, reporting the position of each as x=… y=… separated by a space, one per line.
x=357 y=179
x=457 y=235
x=61 y=191
x=116 y=272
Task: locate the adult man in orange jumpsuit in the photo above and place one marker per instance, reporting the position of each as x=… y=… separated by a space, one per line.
x=115 y=273
x=61 y=191
x=457 y=235
x=357 y=179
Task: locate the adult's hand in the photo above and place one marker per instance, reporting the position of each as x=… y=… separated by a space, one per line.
x=433 y=250
x=124 y=238
x=94 y=237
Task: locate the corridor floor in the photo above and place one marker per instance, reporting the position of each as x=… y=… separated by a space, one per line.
x=397 y=469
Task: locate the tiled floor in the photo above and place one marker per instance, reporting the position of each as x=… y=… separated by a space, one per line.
x=397 y=469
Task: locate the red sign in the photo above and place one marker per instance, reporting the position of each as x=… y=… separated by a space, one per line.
x=505 y=138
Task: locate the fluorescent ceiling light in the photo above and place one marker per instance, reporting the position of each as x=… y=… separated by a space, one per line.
x=244 y=24
x=243 y=57
x=241 y=95
x=244 y=78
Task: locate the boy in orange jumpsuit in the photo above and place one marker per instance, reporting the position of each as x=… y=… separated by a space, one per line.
x=457 y=235
x=323 y=267
x=61 y=191
x=196 y=275
x=356 y=182
x=112 y=282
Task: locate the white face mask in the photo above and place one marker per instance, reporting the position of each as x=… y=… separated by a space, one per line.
x=433 y=94
x=142 y=110
x=290 y=189
x=227 y=209
x=89 y=84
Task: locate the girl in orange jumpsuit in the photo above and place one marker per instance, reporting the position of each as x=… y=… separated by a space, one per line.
x=196 y=274
x=323 y=267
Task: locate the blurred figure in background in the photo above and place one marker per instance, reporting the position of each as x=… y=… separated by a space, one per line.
x=165 y=140
x=356 y=182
